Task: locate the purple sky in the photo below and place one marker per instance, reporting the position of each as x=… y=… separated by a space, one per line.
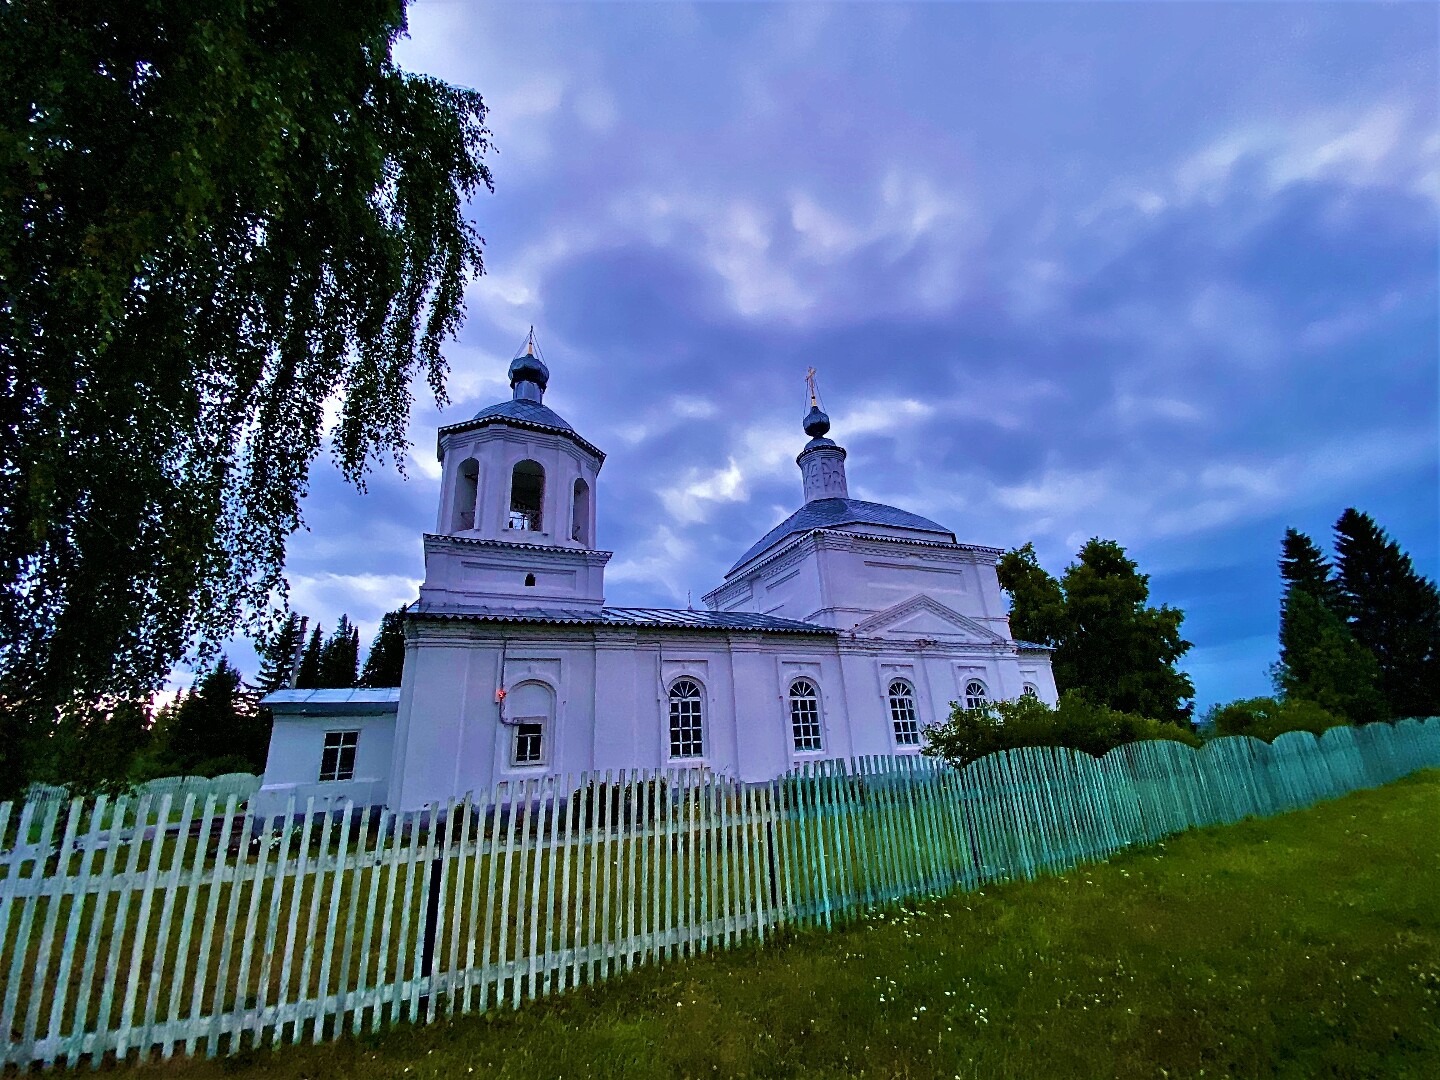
x=1160 y=273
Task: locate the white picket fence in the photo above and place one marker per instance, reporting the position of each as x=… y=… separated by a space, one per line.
x=174 y=922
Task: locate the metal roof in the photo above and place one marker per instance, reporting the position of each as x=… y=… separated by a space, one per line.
x=530 y=411
x=334 y=701
x=527 y=414
x=829 y=513
x=662 y=618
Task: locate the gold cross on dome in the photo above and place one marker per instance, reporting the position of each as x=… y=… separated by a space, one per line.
x=810 y=382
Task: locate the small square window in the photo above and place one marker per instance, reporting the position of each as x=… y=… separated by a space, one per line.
x=337 y=762
x=529 y=743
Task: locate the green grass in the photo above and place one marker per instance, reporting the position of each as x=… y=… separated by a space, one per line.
x=1302 y=946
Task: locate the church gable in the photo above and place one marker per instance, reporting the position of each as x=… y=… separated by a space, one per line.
x=922 y=617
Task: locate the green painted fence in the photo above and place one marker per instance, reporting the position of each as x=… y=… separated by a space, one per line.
x=172 y=922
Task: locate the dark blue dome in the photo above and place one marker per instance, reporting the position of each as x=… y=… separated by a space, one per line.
x=816 y=422
x=833 y=513
x=529 y=368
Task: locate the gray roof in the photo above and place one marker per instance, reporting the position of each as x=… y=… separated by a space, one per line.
x=334 y=702
x=531 y=412
x=664 y=618
x=830 y=513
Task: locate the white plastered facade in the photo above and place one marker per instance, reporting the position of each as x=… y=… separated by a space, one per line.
x=794 y=658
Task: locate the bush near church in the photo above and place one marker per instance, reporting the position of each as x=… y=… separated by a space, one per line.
x=1074 y=722
x=1268 y=718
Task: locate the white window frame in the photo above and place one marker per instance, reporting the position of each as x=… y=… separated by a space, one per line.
x=337 y=743
x=518 y=732
x=973 y=700
x=795 y=704
x=683 y=707
x=904 y=720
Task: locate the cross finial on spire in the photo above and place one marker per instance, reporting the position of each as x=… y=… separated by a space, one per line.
x=530 y=343
x=810 y=382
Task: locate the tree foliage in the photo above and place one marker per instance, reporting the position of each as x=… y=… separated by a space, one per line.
x=340 y=656
x=212 y=729
x=386 y=661
x=1392 y=611
x=277 y=655
x=1111 y=646
x=214 y=219
x=1266 y=718
x=1075 y=722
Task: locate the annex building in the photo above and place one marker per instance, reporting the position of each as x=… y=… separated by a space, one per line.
x=842 y=631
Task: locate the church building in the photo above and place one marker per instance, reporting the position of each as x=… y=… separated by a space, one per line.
x=842 y=631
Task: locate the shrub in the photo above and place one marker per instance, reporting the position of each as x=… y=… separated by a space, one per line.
x=1076 y=723
x=629 y=803
x=1265 y=717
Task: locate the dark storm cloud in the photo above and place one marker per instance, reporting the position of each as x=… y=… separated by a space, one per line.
x=1161 y=273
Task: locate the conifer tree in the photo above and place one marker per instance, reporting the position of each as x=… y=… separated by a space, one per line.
x=340 y=658
x=1391 y=610
x=213 y=728
x=1322 y=662
x=386 y=661
x=277 y=655
x=307 y=676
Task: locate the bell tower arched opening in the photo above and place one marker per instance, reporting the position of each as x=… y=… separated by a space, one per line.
x=580 y=514
x=527 y=496
x=467 y=482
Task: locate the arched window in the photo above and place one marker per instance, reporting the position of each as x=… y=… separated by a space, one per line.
x=529 y=712
x=580 y=513
x=467 y=479
x=975 y=694
x=902 y=713
x=529 y=580
x=527 y=495
x=805 y=716
x=1030 y=690
x=687 y=719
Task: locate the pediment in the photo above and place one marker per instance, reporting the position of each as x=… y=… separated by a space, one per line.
x=923 y=617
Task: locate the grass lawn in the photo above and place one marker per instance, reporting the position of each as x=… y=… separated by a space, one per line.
x=1302 y=946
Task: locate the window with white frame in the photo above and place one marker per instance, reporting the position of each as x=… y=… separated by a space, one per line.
x=337 y=760
x=805 y=716
x=975 y=694
x=902 y=713
x=687 y=719
x=1030 y=690
x=529 y=744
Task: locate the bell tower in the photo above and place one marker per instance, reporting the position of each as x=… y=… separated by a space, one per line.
x=516 y=522
x=822 y=461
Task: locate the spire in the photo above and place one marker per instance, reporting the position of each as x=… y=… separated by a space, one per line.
x=822 y=462
x=528 y=374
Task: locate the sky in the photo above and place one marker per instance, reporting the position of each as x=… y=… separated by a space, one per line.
x=1159 y=273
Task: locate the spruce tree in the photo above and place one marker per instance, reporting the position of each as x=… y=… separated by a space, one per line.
x=213 y=728
x=1324 y=663
x=1391 y=610
x=277 y=655
x=307 y=676
x=340 y=658
x=386 y=661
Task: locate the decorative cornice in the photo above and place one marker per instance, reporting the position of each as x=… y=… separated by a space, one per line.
x=510 y=421
x=593 y=555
